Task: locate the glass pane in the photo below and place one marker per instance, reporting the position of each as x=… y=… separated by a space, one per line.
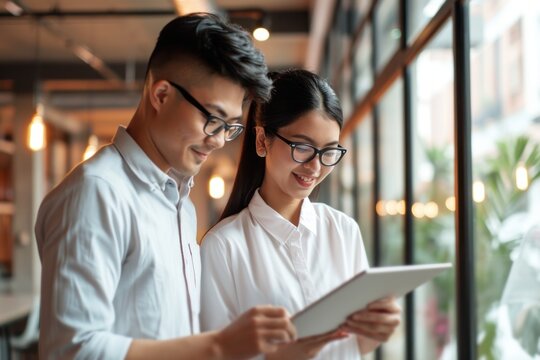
x=338 y=41
x=346 y=177
x=345 y=96
x=363 y=77
x=434 y=203
x=392 y=170
x=391 y=184
x=360 y=10
x=421 y=11
x=505 y=86
x=387 y=30
x=364 y=176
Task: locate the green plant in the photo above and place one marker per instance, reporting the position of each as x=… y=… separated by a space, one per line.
x=503 y=199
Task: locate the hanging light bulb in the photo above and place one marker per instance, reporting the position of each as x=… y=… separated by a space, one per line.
x=522 y=177
x=92 y=147
x=261 y=34
x=216 y=187
x=36 y=131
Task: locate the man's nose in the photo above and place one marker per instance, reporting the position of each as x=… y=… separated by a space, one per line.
x=217 y=141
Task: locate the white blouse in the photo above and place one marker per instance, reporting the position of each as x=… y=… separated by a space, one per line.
x=258 y=257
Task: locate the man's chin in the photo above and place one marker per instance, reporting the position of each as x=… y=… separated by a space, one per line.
x=189 y=171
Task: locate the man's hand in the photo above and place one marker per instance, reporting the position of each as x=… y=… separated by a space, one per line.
x=259 y=330
x=377 y=321
x=306 y=348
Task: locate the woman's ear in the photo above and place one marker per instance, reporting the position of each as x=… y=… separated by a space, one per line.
x=260 y=144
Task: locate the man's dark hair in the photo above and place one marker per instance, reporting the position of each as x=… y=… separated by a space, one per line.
x=224 y=48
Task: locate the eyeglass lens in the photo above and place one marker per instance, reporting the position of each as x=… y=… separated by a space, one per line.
x=215 y=125
x=304 y=153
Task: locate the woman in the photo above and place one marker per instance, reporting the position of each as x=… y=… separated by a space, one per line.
x=273 y=245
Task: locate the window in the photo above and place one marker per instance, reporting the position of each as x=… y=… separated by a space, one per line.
x=506 y=169
x=433 y=193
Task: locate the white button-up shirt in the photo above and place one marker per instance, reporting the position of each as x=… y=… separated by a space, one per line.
x=117 y=242
x=257 y=257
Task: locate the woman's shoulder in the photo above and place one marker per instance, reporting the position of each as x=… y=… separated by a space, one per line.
x=227 y=229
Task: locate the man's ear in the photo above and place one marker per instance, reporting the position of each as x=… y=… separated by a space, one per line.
x=260 y=144
x=159 y=93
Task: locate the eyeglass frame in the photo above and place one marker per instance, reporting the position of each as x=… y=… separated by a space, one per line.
x=207 y=114
x=317 y=151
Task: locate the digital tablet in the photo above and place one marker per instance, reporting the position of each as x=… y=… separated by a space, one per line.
x=331 y=310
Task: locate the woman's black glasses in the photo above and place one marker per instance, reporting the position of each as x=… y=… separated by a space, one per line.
x=303 y=153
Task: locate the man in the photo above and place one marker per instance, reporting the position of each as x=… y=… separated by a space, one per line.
x=120 y=262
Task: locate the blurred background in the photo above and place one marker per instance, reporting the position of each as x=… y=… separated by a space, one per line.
x=442 y=106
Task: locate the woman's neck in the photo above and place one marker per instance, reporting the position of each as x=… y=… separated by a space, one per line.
x=286 y=206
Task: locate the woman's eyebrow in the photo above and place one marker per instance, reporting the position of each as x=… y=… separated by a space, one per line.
x=311 y=141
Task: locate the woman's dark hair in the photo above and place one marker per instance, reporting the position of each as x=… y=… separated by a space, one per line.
x=225 y=48
x=295 y=93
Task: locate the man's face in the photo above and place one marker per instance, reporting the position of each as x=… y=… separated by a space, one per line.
x=178 y=131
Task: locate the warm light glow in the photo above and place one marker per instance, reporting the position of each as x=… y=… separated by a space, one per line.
x=92 y=147
x=391 y=207
x=479 y=192
x=184 y=7
x=451 y=203
x=216 y=187
x=261 y=34
x=522 y=177
x=431 y=209
x=418 y=210
x=380 y=208
x=401 y=207
x=36 y=133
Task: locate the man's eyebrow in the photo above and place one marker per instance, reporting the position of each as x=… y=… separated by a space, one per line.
x=222 y=113
x=311 y=141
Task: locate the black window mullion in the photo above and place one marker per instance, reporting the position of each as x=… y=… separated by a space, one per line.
x=376 y=157
x=408 y=255
x=465 y=279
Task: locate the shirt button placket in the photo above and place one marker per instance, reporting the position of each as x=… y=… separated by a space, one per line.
x=300 y=266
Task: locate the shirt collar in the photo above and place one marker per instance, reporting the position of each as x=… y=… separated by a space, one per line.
x=143 y=167
x=275 y=224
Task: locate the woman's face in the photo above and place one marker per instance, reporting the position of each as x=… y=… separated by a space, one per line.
x=285 y=179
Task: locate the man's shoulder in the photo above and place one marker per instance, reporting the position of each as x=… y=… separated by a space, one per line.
x=103 y=170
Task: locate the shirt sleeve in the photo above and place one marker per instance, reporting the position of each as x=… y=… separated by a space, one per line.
x=218 y=291
x=82 y=244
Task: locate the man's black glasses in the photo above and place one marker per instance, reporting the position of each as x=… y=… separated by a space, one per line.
x=303 y=153
x=213 y=124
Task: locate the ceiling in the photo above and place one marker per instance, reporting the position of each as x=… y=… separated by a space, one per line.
x=90 y=56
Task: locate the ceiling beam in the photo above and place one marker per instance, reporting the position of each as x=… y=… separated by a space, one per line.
x=280 y=21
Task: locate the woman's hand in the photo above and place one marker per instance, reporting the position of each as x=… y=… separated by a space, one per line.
x=374 y=324
x=306 y=348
